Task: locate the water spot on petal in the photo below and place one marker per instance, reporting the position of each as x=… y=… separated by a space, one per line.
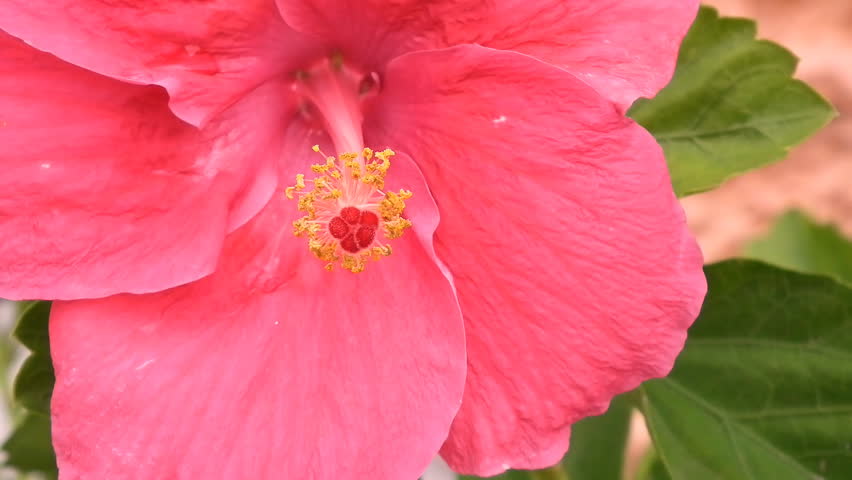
x=144 y=364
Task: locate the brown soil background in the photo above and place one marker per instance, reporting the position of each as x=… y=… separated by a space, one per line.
x=817 y=176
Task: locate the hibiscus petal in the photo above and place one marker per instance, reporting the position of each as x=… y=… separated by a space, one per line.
x=575 y=271
x=206 y=54
x=106 y=191
x=270 y=368
x=244 y=147
x=625 y=49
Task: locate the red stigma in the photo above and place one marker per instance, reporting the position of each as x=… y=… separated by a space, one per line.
x=338 y=228
x=365 y=236
x=351 y=215
x=369 y=219
x=349 y=244
x=355 y=229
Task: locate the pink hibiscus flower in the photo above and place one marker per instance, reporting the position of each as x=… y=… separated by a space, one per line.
x=147 y=149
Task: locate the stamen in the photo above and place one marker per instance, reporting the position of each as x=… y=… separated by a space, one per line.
x=347 y=209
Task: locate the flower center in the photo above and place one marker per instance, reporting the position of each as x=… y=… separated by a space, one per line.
x=355 y=229
x=348 y=216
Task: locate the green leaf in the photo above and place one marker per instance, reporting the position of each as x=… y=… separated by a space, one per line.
x=797 y=243
x=28 y=449
x=598 y=443
x=34 y=383
x=732 y=105
x=597 y=447
x=32 y=327
x=763 y=388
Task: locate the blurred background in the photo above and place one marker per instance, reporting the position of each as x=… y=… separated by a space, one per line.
x=816 y=178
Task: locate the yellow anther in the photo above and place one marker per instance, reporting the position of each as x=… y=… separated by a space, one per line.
x=336 y=193
x=353 y=166
x=396 y=227
x=353 y=263
x=300 y=181
x=322 y=250
x=374 y=180
x=384 y=156
x=320 y=183
x=306 y=203
x=382 y=251
x=393 y=204
x=303 y=226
